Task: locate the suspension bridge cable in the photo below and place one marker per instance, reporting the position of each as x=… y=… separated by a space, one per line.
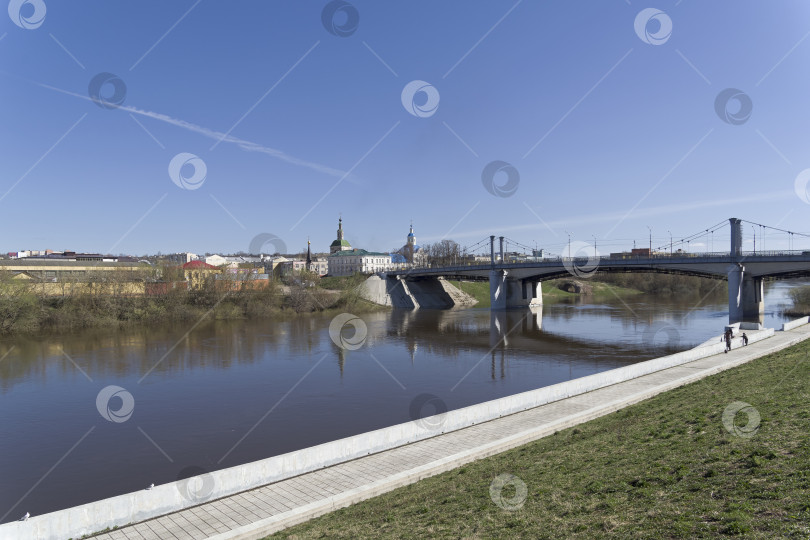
x=516 y=243
x=776 y=228
x=687 y=239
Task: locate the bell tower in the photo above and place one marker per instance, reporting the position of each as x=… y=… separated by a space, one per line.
x=410 y=245
x=340 y=244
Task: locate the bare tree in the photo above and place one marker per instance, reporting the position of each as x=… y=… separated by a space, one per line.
x=443 y=253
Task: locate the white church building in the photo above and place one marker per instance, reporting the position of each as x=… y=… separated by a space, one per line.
x=344 y=260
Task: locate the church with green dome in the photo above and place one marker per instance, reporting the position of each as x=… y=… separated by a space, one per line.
x=344 y=260
x=340 y=244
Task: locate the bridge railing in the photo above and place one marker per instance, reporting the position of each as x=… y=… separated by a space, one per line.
x=776 y=253
x=595 y=261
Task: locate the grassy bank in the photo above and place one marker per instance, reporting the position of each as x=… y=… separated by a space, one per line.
x=667 y=285
x=551 y=291
x=664 y=468
x=22 y=310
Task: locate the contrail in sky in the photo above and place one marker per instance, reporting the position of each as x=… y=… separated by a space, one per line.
x=215 y=135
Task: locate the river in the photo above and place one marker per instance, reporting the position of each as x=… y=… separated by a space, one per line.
x=225 y=393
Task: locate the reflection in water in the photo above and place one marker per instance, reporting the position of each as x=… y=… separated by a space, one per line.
x=505 y=325
x=231 y=392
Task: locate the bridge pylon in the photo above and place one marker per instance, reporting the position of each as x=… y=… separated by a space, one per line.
x=746 y=306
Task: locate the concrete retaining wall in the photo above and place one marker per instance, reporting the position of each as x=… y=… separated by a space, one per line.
x=433 y=293
x=794 y=323
x=388 y=291
x=374 y=290
x=429 y=294
x=132 y=507
x=459 y=297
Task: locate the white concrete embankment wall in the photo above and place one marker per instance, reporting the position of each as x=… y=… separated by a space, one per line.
x=794 y=323
x=132 y=507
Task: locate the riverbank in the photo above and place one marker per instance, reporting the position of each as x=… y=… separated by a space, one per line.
x=801 y=302
x=298 y=486
x=23 y=311
x=552 y=291
x=668 y=467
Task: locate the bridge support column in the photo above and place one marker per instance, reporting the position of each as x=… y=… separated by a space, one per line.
x=534 y=293
x=735 y=280
x=752 y=303
x=497 y=289
x=508 y=293
x=745 y=299
x=745 y=294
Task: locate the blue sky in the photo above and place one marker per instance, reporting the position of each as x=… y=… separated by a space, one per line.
x=609 y=130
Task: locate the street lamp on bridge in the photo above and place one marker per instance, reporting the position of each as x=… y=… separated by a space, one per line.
x=569 y=243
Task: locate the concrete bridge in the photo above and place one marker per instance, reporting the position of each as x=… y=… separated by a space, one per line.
x=518 y=285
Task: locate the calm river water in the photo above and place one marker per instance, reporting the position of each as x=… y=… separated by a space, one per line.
x=227 y=393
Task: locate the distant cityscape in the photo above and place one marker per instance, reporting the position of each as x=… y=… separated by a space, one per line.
x=342 y=259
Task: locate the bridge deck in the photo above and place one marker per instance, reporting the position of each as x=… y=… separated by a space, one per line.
x=256 y=513
x=767 y=264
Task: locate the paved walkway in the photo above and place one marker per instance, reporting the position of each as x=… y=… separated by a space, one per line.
x=256 y=513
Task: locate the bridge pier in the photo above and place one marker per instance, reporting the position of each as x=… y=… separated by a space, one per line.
x=753 y=302
x=745 y=298
x=745 y=292
x=510 y=293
